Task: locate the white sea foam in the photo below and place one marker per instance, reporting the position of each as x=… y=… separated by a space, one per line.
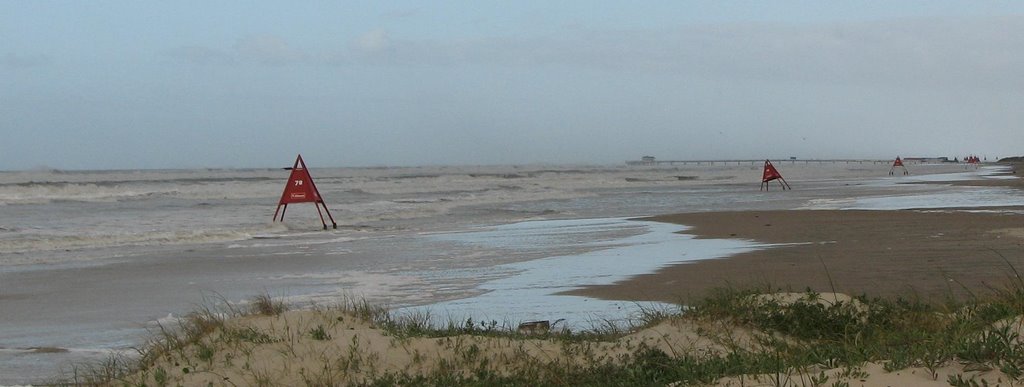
x=997 y=172
x=935 y=195
x=964 y=197
x=289 y=240
x=828 y=203
x=65 y=242
x=46 y=211
x=121 y=186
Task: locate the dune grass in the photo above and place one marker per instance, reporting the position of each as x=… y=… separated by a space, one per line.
x=791 y=341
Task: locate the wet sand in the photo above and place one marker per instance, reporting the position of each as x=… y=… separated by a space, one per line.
x=929 y=254
x=1016 y=170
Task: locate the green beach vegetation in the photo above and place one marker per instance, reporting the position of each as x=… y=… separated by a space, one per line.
x=733 y=337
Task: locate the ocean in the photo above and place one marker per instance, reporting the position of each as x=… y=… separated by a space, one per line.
x=91 y=261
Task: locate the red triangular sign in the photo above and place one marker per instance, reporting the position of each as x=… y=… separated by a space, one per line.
x=898 y=162
x=300 y=187
x=770 y=173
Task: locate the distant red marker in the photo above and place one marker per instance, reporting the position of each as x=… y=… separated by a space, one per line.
x=770 y=173
x=898 y=163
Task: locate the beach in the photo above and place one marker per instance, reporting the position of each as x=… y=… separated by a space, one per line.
x=929 y=254
x=933 y=254
x=136 y=250
x=783 y=262
x=511 y=194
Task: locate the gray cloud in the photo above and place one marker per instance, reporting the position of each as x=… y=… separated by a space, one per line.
x=920 y=53
x=268 y=50
x=400 y=13
x=16 y=61
x=374 y=41
x=200 y=55
x=264 y=49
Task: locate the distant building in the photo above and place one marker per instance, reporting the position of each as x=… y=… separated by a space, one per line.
x=646 y=160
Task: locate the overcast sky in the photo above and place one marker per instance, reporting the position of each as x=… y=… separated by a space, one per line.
x=178 y=84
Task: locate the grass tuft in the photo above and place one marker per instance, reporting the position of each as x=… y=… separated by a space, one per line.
x=264 y=305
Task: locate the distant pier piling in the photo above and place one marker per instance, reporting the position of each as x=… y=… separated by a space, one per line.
x=652 y=161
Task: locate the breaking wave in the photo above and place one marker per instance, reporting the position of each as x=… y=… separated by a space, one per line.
x=40 y=242
x=49 y=192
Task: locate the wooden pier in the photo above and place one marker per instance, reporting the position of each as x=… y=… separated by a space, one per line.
x=754 y=162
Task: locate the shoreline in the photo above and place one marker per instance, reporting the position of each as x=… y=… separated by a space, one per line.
x=934 y=254
x=114 y=283
x=902 y=247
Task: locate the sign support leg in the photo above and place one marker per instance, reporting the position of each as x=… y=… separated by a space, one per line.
x=333 y=224
x=321 y=214
x=784 y=183
x=282 y=212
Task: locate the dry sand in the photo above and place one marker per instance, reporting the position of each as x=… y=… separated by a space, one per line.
x=282 y=350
